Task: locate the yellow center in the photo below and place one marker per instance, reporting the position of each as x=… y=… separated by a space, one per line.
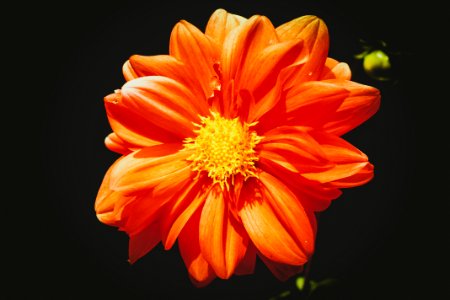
x=223 y=148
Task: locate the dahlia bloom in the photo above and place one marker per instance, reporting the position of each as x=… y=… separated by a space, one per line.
x=231 y=143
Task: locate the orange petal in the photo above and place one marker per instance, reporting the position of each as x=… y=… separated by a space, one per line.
x=244 y=43
x=109 y=203
x=165 y=102
x=128 y=71
x=301 y=27
x=261 y=72
x=344 y=159
x=314 y=33
x=294 y=149
x=146 y=168
x=240 y=49
x=114 y=143
x=222 y=239
x=281 y=271
x=337 y=149
x=336 y=173
x=335 y=70
x=348 y=160
x=180 y=210
x=363 y=176
x=289 y=211
x=167 y=66
x=308 y=104
x=133 y=213
x=313 y=195
x=133 y=128
x=267 y=232
x=199 y=270
x=158 y=65
x=311 y=103
x=113 y=215
x=263 y=106
x=221 y=23
x=362 y=102
x=197 y=52
x=270 y=111
x=101 y=205
x=144 y=241
x=148 y=206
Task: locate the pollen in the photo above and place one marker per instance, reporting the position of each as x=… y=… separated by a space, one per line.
x=223 y=148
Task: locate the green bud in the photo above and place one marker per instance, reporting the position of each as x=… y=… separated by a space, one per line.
x=300 y=283
x=377 y=65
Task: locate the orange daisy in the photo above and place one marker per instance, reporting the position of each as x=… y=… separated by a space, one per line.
x=230 y=144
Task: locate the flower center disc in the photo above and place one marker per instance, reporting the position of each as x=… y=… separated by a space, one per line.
x=223 y=148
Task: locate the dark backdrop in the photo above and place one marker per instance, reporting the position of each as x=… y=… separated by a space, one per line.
x=379 y=241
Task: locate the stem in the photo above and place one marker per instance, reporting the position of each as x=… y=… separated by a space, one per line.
x=306 y=286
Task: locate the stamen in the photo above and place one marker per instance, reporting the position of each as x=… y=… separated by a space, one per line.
x=223 y=148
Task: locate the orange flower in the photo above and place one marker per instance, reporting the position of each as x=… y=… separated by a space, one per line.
x=230 y=144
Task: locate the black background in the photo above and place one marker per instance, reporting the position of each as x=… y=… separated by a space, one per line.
x=380 y=241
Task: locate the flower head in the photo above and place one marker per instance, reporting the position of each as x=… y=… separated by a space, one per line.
x=230 y=144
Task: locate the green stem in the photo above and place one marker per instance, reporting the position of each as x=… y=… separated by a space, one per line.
x=306 y=286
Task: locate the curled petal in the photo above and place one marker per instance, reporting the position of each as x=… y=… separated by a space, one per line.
x=163 y=101
x=114 y=143
x=181 y=209
x=363 y=176
x=221 y=23
x=268 y=232
x=308 y=104
x=166 y=66
x=337 y=149
x=244 y=43
x=289 y=211
x=128 y=71
x=158 y=65
x=336 y=173
x=241 y=47
x=363 y=101
x=109 y=204
x=146 y=168
x=314 y=33
x=294 y=149
x=304 y=27
x=335 y=70
x=131 y=127
x=336 y=105
x=313 y=102
x=199 y=269
x=313 y=195
x=190 y=46
x=348 y=162
x=261 y=73
x=148 y=207
x=132 y=212
x=223 y=240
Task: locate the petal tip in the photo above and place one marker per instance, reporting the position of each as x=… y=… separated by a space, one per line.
x=113 y=98
x=202 y=283
x=219 y=11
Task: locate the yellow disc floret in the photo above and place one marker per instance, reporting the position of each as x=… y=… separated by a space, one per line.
x=223 y=148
